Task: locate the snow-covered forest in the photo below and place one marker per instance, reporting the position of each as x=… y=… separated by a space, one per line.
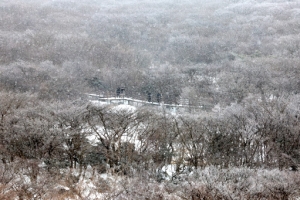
x=239 y=58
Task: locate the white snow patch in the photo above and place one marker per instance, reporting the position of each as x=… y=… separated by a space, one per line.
x=61 y=187
x=93 y=139
x=124 y=107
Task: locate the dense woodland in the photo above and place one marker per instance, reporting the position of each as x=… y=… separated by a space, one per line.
x=240 y=57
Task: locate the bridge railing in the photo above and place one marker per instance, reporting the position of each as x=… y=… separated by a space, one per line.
x=140 y=103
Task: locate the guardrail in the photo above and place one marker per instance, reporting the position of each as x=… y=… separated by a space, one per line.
x=139 y=103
